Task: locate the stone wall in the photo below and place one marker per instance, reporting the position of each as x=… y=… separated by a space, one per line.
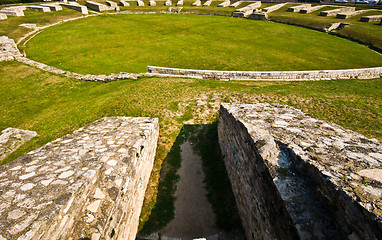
x=8 y=49
x=361 y=73
x=89 y=184
x=329 y=178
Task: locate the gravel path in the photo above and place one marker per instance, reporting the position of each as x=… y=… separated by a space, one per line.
x=194 y=217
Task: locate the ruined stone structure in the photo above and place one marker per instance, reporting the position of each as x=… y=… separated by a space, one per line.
x=179 y=3
x=89 y=184
x=75 y=6
x=207 y=3
x=336 y=11
x=350 y=14
x=168 y=3
x=273 y=8
x=52 y=7
x=373 y=18
x=224 y=4
x=362 y=73
x=123 y=3
x=247 y=10
x=197 y=3
x=96 y=6
x=13 y=11
x=38 y=8
x=312 y=9
x=8 y=49
x=235 y=4
x=3 y=16
x=152 y=3
x=292 y=173
x=299 y=7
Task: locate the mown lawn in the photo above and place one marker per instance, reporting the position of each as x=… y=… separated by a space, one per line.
x=129 y=43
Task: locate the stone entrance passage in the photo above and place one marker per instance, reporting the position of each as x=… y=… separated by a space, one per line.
x=194 y=217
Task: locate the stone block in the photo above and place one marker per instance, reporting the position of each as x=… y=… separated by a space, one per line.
x=76 y=6
x=247 y=10
x=345 y=15
x=88 y=183
x=224 y=4
x=124 y=3
x=259 y=16
x=273 y=8
x=53 y=7
x=168 y=3
x=3 y=16
x=175 y=9
x=8 y=49
x=336 y=11
x=96 y=6
x=179 y=3
x=299 y=7
x=140 y=3
x=38 y=8
x=152 y=3
x=197 y=3
x=14 y=13
x=373 y=18
x=324 y=179
x=235 y=4
x=312 y=9
x=207 y=3
x=112 y=5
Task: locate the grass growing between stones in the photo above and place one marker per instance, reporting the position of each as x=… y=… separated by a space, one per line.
x=54 y=106
x=129 y=43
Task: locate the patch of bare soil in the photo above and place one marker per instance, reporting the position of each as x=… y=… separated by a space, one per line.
x=194 y=217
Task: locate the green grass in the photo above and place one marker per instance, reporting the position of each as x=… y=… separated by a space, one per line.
x=129 y=43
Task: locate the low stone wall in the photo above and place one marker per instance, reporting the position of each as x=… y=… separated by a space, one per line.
x=124 y=3
x=224 y=4
x=235 y=4
x=299 y=7
x=207 y=3
x=179 y=3
x=38 y=8
x=96 y=6
x=77 y=7
x=247 y=10
x=312 y=9
x=361 y=73
x=52 y=7
x=321 y=178
x=3 y=16
x=89 y=184
x=346 y=15
x=12 y=12
x=273 y=8
x=8 y=49
x=373 y=18
x=197 y=3
x=334 y=12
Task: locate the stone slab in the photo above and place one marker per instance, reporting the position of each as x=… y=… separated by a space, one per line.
x=179 y=3
x=152 y=3
x=96 y=6
x=168 y=3
x=38 y=8
x=247 y=10
x=350 y=14
x=53 y=7
x=77 y=7
x=331 y=164
x=312 y=9
x=336 y=11
x=298 y=8
x=224 y=4
x=207 y=3
x=197 y=3
x=3 y=16
x=88 y=183
x=140 y=3
x=14 y=13
x=235 y=4
x=373 y=18
x=124 y=3
x=8 y=49
x=13 y=138
x=273 y=8
x=259 y=16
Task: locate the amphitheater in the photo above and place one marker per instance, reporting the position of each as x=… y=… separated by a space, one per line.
x=190 y=120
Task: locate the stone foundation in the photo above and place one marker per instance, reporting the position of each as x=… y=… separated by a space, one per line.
x=373 y=18
x=53 y=7
x=334 y=12
x=321 y=180
x=89 y=184
x=273 y=8
x=38 y=8
x=346 y=15
x=299 y=7
x=76 y=6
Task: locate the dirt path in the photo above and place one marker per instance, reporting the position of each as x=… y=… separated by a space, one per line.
x=194 y=217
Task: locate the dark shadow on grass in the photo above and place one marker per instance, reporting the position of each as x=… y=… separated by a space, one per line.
x=204 y=139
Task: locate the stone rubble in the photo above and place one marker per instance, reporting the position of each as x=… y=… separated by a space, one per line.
x=13 y=138
x=87 y=184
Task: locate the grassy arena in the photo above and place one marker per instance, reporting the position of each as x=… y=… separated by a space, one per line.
x=129 y=43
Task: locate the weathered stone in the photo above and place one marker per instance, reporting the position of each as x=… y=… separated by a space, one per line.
x=175 y=9
x=247 y=10
x=373 y=18
x=224 y=4
x=140 y=3
x=361 y=73
x=345 y=15
x=152 y=3
x=312 y=9
x=61 y=189
x=52 y=7
x=179 y=3
x=112 y=5
x=3 y=16
x=197 y=3
x=207 y=3
x=38 y=8
x=302 y=172
x=259 y=16
x=13 y=11
x=124 y=3
x=273 y=8
x=336 y=11
x=168 y=3
x=96 y=6
x=299 y=7
x=76 y=6
x=12 y=138
x=235 y=4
